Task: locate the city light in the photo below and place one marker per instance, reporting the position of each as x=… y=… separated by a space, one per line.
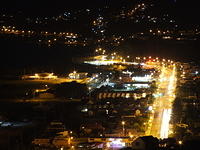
x=164 y=131
x=40 y=76
x=116 y=143
x=180 y=142
x=99 y=75
x=146 y=78
x=164 y=96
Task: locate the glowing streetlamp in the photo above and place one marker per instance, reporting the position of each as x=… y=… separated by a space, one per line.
x=180 y=142
x=89 y=88
x=131 y=136
x=123 y=123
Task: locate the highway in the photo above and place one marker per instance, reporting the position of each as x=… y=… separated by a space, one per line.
x=158 y=124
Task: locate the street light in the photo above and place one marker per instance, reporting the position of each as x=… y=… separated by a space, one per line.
x=131 y=136
x=180 y=142
x=123 y=123
x=89 y=88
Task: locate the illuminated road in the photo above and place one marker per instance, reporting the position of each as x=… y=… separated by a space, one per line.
x=158 y=124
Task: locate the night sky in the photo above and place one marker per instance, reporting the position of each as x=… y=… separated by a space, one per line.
x=186 y=9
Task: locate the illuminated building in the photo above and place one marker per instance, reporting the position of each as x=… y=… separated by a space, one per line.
x=39 y=76
x=75 y=75
x=133 y=95
x=146 y=78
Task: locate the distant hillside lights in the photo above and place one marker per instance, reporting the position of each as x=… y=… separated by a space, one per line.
x=13 y=30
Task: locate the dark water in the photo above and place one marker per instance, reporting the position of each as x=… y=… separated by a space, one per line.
x=171 y=49
x=23 y=57
x=30 y=57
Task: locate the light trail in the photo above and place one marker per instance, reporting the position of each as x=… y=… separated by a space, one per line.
x=164 y=132
x=159 y=122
